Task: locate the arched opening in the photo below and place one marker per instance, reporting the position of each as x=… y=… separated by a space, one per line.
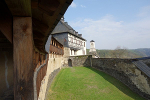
x=70 y=63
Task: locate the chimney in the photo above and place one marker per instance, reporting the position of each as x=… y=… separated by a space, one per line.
x=76 y=33
x=80 y=35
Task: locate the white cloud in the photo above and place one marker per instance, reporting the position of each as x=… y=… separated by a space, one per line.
x=83 y=6
x=109 y=33
x=73 y=5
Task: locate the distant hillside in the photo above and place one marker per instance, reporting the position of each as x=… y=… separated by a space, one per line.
x=144 y=52
x=128 y=53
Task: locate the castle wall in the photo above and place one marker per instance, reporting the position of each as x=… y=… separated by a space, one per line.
x=146 y=61
x=54 y=65
x=83 y=60
x=125 y=71
x=122 y=69
x=66 y=52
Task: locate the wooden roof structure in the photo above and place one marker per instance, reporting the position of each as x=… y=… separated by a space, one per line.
x=45 y=16
x=25 y=26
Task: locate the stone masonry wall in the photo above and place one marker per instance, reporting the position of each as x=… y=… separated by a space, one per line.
x=83 y=60
x=125 y=71
x=147 y=62
x=53 y=67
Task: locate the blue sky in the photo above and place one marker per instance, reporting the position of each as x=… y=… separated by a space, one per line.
x=112 y=23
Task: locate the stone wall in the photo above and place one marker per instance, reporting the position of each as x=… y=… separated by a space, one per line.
x=125 y=71
x=54 y=65
x=146 y=61
x=66 y=52
x=83 y=60
x=122 y=69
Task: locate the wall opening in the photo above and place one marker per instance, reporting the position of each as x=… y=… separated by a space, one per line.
x=70 y=63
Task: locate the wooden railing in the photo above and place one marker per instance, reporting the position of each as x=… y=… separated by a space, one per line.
x=40 y=76
x=40 y=63
x=56 y=50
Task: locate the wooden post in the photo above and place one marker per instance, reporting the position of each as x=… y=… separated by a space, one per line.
x=23 y=58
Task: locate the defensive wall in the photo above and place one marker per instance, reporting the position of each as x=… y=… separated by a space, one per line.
x=83 y=60
x=53 y=67
x=147 y=62
x=122 y=69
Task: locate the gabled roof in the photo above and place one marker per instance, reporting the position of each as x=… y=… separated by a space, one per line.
x=63 y=27
x=92 y=41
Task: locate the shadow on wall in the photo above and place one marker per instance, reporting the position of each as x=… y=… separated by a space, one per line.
x=116 y=83
x=70 y=63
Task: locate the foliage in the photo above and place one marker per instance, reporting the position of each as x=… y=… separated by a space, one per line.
x=85 y=83
x=123 y=53
x=118 y=52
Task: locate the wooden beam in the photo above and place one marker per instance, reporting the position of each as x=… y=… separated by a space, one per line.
x=34 y=4
x=5 y=21
x=19 y=7
x=23 y=58
x=49 y=6
x=39 y=26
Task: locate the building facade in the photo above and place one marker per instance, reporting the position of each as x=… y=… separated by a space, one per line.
x=92 y=46
x=93 y=50
x=74 y=43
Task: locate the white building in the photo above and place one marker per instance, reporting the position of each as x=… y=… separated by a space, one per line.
x=74 y=43
x=92 y=46
x=93 y=50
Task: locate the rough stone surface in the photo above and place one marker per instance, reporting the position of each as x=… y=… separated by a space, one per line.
x=54 y=65
x=66 y=52
x=50 y=80
x=147 y=62
x=84 y=60
x=125 y=71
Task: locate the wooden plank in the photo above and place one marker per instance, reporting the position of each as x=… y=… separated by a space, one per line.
x=23 y=58
x=19 y=7
x=34 y=4
x=39 y=26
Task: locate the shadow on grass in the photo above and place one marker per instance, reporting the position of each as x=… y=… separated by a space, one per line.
x=117 y=84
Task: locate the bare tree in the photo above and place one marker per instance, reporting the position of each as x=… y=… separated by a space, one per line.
x=118 y=52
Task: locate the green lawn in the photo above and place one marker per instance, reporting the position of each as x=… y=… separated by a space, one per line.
x=84 y=83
